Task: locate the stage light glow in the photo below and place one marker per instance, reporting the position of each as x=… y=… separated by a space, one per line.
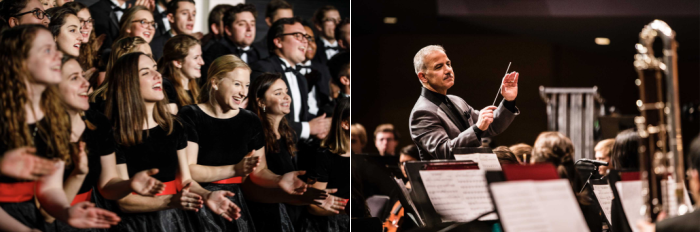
x=602 y=41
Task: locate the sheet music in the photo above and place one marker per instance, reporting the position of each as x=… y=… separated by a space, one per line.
x=538 y=206
x=458 y=195
x=486 y=161
x=604 y=194
x=631 y=197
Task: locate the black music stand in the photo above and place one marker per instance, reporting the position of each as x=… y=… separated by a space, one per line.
x=419 y=194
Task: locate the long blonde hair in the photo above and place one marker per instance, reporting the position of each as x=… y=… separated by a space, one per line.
x=217 y=71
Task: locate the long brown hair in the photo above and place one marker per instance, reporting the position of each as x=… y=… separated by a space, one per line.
x=127 y=18
x=176 y=49
x=125 y=105
x=88 y=57
x=257 y=94
x=338 y=140
x=119 y=48
x=15 y=44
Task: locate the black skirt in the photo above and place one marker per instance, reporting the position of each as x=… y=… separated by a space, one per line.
x=270 y=217
x=335 y=223
x=26 y=213
x=208 y=221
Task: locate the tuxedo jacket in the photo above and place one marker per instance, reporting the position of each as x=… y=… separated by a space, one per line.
x=261 y=46
x=217 y=48
x=158 y=17
x=436 y=130
x=158 y=43
x=273 y=64
x=105 y=21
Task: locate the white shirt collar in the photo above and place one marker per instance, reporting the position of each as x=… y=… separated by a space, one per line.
x=161 y=9
x=116 y=3
x=244 y=48
x=326 y=43
x=286 y=64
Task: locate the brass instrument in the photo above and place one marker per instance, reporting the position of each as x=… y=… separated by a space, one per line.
x=661 y=149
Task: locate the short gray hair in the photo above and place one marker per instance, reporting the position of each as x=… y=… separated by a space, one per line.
x=419 y=59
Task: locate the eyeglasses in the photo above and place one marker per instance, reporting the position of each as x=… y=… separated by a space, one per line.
x=334 y=20
x=87 y=22
x=40 y=14
x=145 y=23
x=299 y=36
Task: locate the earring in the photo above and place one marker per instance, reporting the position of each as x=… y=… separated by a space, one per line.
x=263 y=108
x=216 y=88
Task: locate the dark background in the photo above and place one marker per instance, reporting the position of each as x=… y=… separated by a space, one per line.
x=302 y=8
x=550 y=42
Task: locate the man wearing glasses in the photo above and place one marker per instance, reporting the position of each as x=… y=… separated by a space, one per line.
x=288 y=41
x=19 y=12
x=325 y=20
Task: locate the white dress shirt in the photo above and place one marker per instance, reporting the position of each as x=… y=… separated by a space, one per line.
x=296 y=98
x=330 y=52
x=244 y=56
x=313 y=104
x=163 y=12
x=119 y=13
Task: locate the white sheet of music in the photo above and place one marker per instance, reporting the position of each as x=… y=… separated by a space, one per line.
x=538 y=206
x=631 y=197
x=486 y=161
x=605 y=195
x=458 y=195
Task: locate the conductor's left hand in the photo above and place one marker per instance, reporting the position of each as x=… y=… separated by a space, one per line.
x=509 y=88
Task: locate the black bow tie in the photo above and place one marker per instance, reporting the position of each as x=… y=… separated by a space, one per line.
x=116 y=8
x=241 y=51
x=332 y=48
x=295 y=70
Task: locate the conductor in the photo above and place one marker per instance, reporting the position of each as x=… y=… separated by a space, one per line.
x=441 y=122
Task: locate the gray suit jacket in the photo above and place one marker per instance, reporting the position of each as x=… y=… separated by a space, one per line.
x=435 y=131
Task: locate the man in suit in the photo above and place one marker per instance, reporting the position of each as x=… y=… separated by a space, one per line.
x=160 y=15
x=441 y=122
x=181 y=15
x=239 y=33
x=107 y=14
x=386 y=139
x=289 y=41
x=216 y=25
x=689 y=221
x=342 y=34
x=275 y=10
x=325 y=20
x=318 y=77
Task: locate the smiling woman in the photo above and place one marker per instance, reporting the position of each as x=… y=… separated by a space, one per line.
x=181 y=66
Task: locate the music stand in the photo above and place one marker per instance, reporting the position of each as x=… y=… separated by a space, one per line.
x=420 y=195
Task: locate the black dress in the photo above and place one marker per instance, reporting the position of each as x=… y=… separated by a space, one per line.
x=276 y=216
x=224 y=142
x=98 y=142
x=334 y=170
x=17 y=196
x=157 y=150
x=171 y=92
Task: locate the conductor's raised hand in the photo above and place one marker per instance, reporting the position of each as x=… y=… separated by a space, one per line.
x=509 y=88
x=485 y=118
x=144 y=184
x=86 y=215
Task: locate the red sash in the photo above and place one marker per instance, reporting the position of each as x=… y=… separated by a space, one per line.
x=81 y=197
x=17 y=192
x=232 y=180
